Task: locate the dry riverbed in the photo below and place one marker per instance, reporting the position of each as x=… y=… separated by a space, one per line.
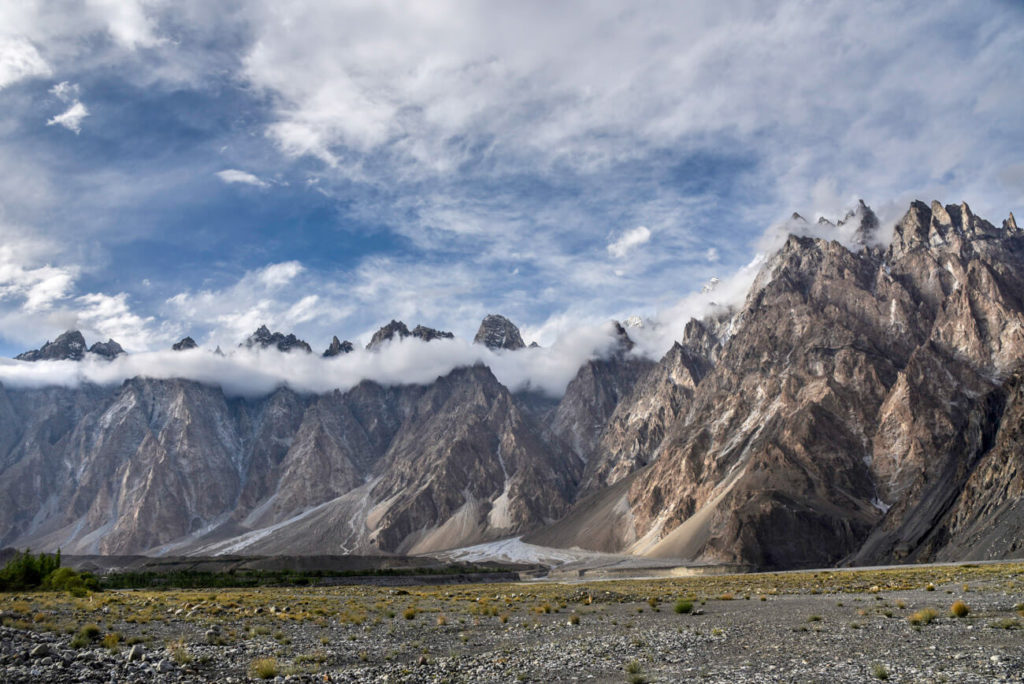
x=833 y=626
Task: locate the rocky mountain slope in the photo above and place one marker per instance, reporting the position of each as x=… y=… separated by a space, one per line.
x=852 y=400
x=863 y=405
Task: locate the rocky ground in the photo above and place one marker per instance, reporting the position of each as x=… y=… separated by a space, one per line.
x=834 y=626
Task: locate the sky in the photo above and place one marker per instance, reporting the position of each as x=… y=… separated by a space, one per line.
x=172 y=168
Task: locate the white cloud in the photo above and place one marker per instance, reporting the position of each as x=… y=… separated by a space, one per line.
x=244 y=177
x=628 y=241
x=126 y=21
x=712 y=255
x=66 y=91
x=276 y=275
x=19 y=59
x=253 y=372
x=72 y=118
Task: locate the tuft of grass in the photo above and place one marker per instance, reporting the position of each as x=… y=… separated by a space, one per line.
x=959 y=609
x=922 y=617
x=110 y=641
x=725 y=597
x=814 y=618
x=409 y=613
x=180 y=652
x=574 y=619
x=442 y=620
x=85 y=636
x=1006 y=623
x=632 y=667
x=684 y=606
x=879 y=671
x=264 y=668
x=929 y=587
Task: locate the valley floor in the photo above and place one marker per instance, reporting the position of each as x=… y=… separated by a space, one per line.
x=849 y=626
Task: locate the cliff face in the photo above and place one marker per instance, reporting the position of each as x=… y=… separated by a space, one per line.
x=851 y=404
x=862 y=406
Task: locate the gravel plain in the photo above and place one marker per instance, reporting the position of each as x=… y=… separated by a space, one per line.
x=825 y=626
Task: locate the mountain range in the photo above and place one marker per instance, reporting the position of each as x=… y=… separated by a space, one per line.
x=864 y=404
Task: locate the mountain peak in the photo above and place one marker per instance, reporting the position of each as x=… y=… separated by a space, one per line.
x=866 y=221
x=109 y=349
x=263 y=338
x=69 y=346
x=399 y=329
x=388 y=332
x=337 y=347
x=498 y=332
x=183 y=344
x=426 y=334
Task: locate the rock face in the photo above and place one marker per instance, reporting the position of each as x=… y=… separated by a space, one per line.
x=337 y=347
x=263 y=338
x=497 y=332
x=129 y=469
x=592 y=396
x=851 y=402
x=863 y=405
x=184 y=344
x=68 y=347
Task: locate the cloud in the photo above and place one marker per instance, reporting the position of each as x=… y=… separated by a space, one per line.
x=236 y=176
x=244 y=372
x=19 y=59
x=72 y=118
x=66 y=91
x=628 y=241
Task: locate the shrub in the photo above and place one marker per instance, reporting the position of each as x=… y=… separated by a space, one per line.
x=264 y=668
x=922 y=617
x=959 y=609
x=684 y=606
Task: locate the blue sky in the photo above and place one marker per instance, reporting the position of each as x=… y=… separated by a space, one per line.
x=172 y=168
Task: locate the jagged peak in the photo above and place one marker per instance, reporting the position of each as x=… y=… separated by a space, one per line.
x=400 y=330
x=263 y=339
x=498 y=332
x=108 y=350
x=934 y=225
x=338 y=347
x=427 y=334
x=1010 y=223
x=184 y=344
x=69 y=346
x=388 y=332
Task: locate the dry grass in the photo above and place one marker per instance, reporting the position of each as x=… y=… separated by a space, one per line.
x=959 y=609
x=922 y=617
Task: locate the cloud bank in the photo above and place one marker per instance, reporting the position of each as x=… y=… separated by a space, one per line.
x=253 y=373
